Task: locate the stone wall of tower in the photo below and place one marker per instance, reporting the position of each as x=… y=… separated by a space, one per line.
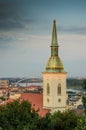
x=56 y=98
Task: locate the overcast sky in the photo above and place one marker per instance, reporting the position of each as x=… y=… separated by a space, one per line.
x=25 y=36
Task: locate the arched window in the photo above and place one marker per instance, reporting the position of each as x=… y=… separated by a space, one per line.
x=59 y=89
x=48 y=89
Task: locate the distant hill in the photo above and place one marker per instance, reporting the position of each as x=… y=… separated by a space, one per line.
x=74 y=83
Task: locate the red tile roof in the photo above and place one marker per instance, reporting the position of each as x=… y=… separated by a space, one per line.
x=33 y=86
x=9 y=101
x=36 y=101
x=6 y=102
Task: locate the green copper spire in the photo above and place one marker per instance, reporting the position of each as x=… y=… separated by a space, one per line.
x=54 y=35
x=54 y=63
x=54 y=43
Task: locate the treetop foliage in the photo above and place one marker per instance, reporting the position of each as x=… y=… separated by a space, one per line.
x=19 y=115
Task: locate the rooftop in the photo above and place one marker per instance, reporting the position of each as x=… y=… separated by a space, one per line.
x=36 y=101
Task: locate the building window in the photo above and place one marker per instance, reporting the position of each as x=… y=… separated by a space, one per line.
x=59 y=100
x=47 y=99
x=59 y=89
x=48 y=89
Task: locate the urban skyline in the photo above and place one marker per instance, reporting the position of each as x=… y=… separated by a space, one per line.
x=26 y=32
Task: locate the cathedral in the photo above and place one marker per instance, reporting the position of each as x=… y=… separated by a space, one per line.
x=54 y=83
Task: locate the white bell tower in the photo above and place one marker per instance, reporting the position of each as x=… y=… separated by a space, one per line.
x=54 y=79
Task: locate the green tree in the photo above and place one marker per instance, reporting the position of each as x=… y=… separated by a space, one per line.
x=84 y=84
x=81 y=123
x=18 y=116
x=84 y=103
x=64 y=121
x=58 y=121
x=44 y=122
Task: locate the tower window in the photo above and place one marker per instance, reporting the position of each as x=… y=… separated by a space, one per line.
x=59 y=100
x=59 y=89
x=48 y=89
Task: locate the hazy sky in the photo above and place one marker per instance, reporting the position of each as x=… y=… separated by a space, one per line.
x=25 y=36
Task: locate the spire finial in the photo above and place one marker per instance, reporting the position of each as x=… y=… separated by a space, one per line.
x=54 y=21
x=54 y=35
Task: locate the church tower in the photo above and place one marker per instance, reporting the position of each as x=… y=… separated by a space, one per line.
x=54 y=78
